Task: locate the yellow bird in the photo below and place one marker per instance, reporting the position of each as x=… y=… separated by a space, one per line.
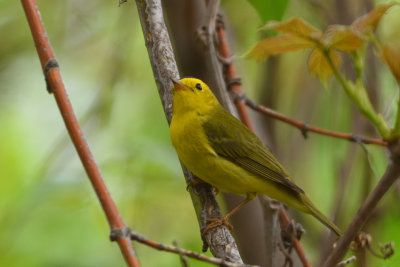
x=219 y=149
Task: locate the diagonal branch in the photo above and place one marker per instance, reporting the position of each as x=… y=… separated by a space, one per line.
x=220 y=240
x=390 y=176
x=231 y=76
x=304 y=128
x=284 y=221
x=174 y=249
x=56 y=87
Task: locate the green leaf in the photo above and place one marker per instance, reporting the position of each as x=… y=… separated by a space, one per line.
x=270 y=9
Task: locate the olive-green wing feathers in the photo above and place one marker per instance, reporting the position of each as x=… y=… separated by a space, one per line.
x=243 y=148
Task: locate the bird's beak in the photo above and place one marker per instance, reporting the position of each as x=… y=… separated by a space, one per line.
x=178 y=85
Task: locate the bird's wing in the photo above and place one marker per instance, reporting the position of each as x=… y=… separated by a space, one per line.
x=230 y=139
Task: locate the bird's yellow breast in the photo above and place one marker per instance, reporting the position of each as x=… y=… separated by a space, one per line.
x=197 y=155
x=189 y=141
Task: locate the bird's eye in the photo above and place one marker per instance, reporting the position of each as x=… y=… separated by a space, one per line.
x=198 y=87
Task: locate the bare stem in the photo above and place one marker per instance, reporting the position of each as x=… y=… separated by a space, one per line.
x=304 y=128
x=359 y=96
x=390 y=176
x=56 y=87
x=174 y=249
x=284 y=221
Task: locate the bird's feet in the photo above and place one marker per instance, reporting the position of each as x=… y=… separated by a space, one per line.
x=212 y=223
x=224 y=220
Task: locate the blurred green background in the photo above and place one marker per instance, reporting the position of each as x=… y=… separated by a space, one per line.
x=49 y=215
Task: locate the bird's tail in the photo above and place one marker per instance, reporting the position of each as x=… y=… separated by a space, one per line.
x=321 y=217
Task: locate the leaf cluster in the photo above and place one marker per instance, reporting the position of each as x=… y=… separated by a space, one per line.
x=327 y=49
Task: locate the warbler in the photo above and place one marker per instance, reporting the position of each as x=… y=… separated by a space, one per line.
x=222 y=151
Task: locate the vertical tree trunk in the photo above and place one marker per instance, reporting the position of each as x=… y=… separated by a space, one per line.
x=185 y=19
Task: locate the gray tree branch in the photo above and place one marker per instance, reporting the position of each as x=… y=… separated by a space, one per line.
x=219 y=239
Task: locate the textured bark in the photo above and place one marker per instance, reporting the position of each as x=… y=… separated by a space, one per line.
x=219 y=239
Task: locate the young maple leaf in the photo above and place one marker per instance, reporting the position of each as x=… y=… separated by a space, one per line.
x=369 y=21
x=299 y=35
x=319 y=65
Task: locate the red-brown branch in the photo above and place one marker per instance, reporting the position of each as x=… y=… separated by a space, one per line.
x=284 y=220
x=234 y=85
x=304 y=128
x=183 y=252
x=55 y=85
x=231 y=73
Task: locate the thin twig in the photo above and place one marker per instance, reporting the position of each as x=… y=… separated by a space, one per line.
x=390 y=176
x=184 y=261
x=56 y=87
x=345 y=262
x=359 y=96
x=230 y=72
x=288 y=258
x=305 y=128
x=284 y=221
x=219 y=239
x=234 y=85
x=188 y=253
